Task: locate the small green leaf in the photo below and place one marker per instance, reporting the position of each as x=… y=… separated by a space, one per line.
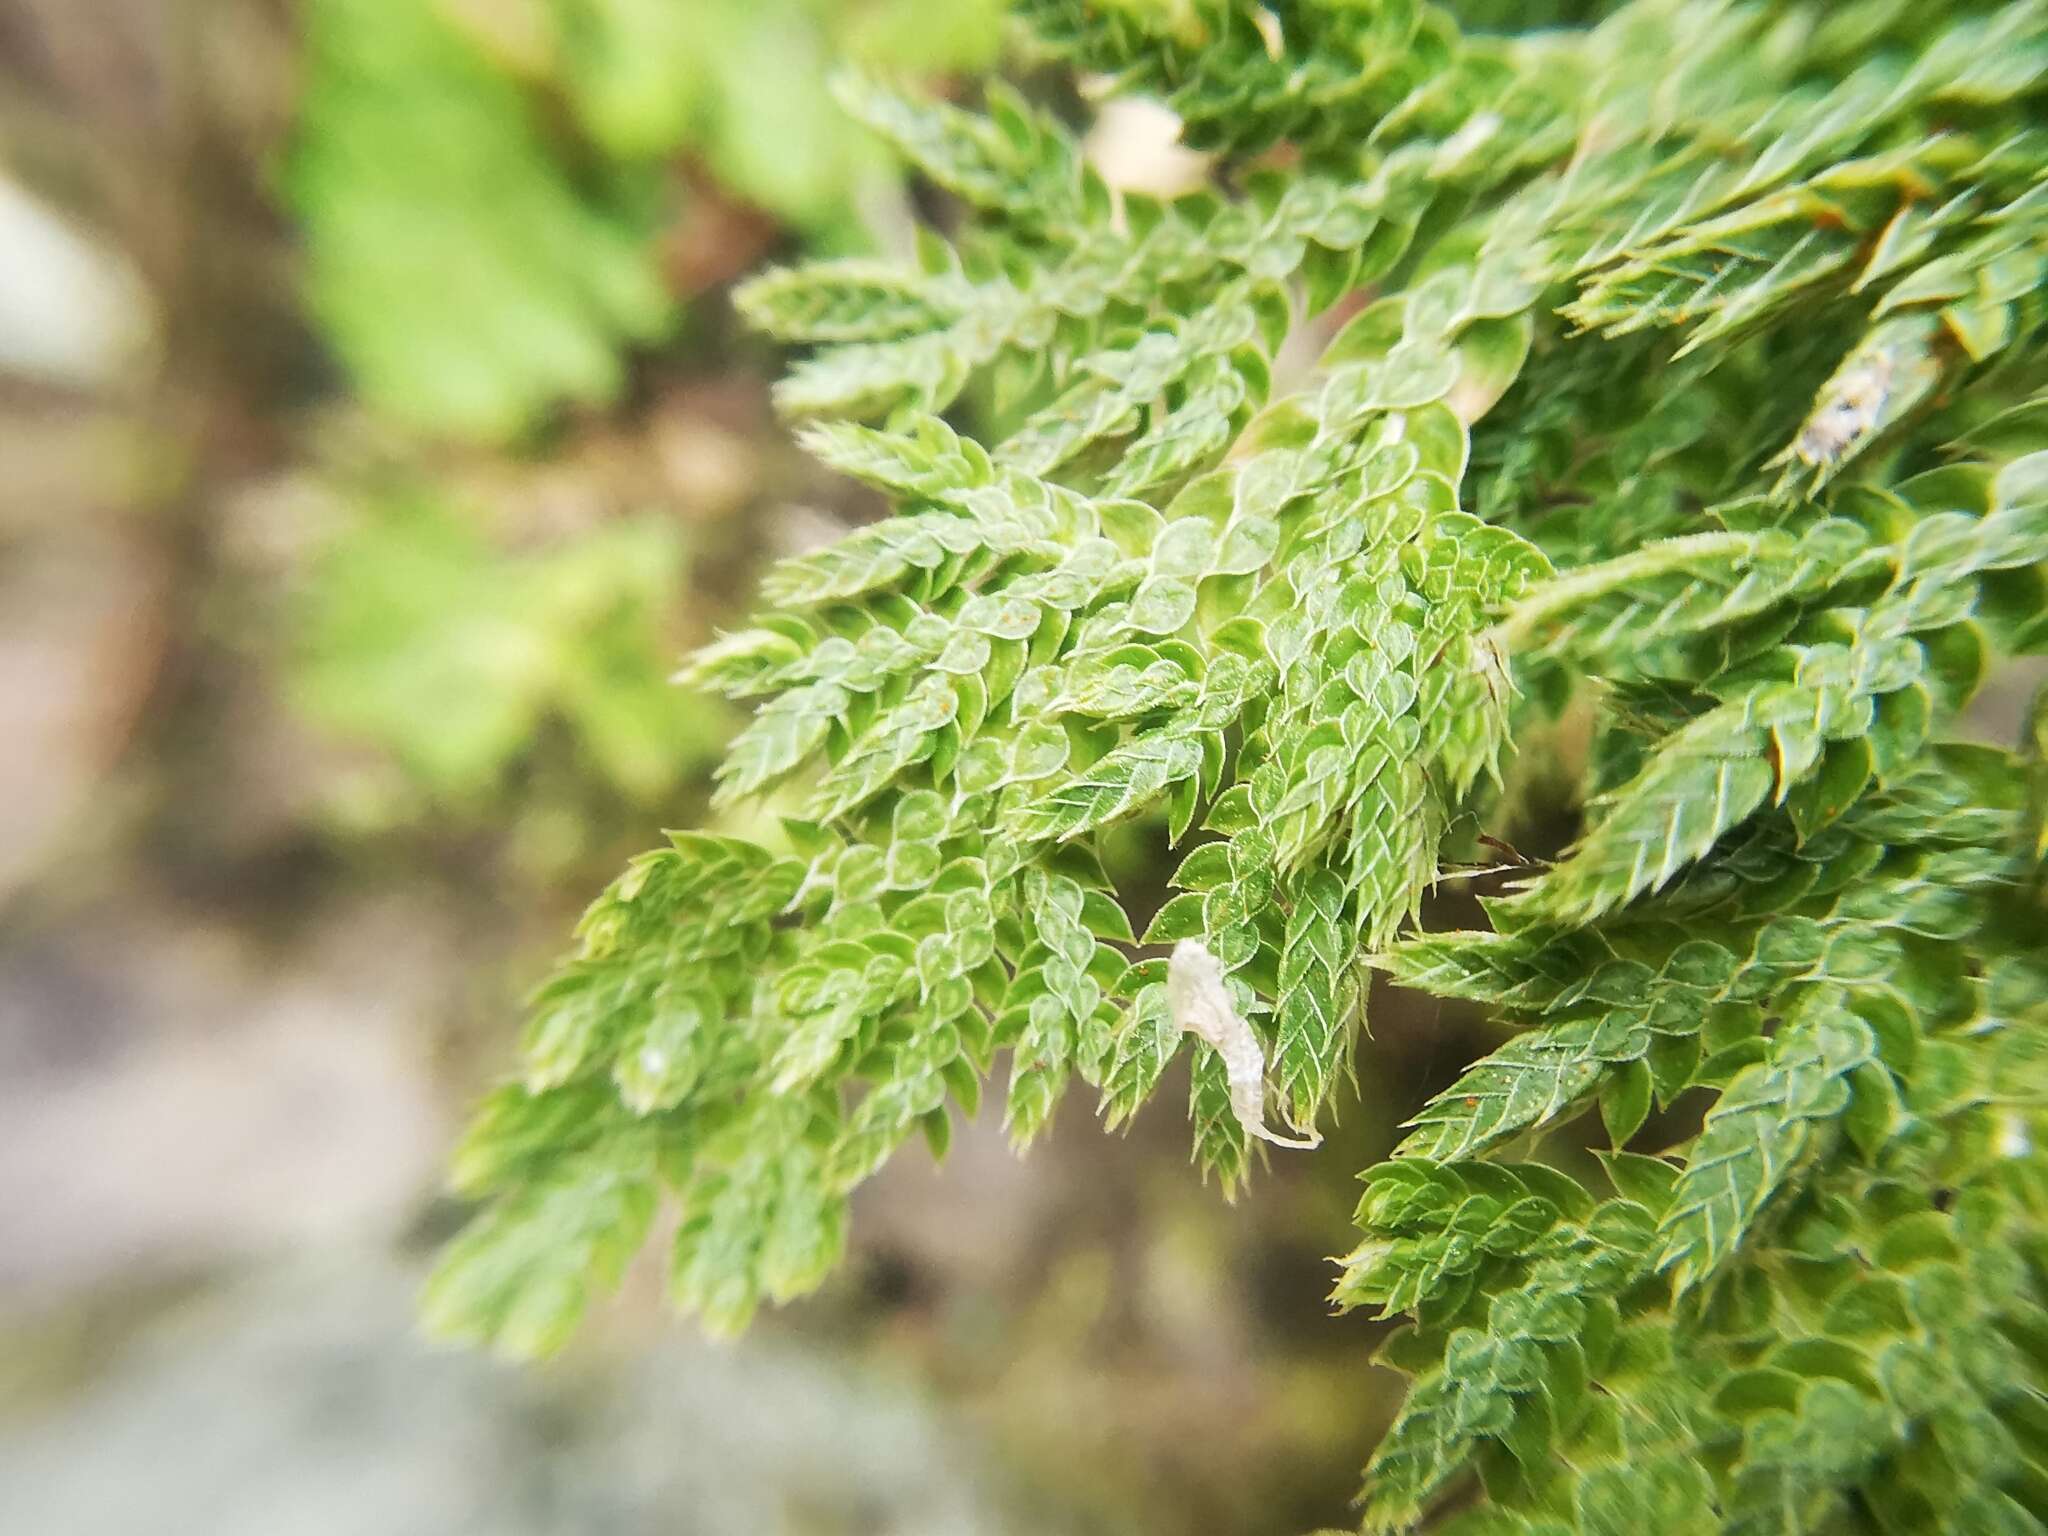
x=1625 y=1102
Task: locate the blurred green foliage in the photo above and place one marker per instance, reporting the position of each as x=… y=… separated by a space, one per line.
x=453 y=656
x=460 y=272
x=484 y=190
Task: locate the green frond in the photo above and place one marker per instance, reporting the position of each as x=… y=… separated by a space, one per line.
x=1683 y=434
x=1242 y=76
x=1768 y=1122
x=1523 y=1367
x=522 y=1276
x=1717 y=276
x=1016 y=162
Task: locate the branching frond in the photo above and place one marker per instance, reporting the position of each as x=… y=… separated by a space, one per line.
x=1693 y=375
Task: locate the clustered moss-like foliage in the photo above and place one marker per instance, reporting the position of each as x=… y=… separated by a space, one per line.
x=1701 y=380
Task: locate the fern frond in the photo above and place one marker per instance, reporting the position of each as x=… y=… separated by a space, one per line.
x=1760 y=1131
x=1522 y=1369
x=1016 y=162
x=1242 y=77
x=1707 y=394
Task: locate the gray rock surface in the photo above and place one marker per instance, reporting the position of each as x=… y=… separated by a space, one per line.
x=301 y=1402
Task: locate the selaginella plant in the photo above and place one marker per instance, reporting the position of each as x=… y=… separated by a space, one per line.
x=1691 y=388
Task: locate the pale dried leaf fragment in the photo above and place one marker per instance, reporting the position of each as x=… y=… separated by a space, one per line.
x=1848 y=412
x=1198 y=999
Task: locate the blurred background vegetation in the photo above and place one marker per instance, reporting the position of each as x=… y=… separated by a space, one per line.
x=374 y=436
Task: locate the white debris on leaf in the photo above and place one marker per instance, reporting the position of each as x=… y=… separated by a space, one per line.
x=1198 y=999
x=1135 y=147
x=1849 y=412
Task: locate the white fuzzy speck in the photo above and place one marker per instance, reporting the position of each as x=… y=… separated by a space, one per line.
x=2013 y=1140
x=1849 y=413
